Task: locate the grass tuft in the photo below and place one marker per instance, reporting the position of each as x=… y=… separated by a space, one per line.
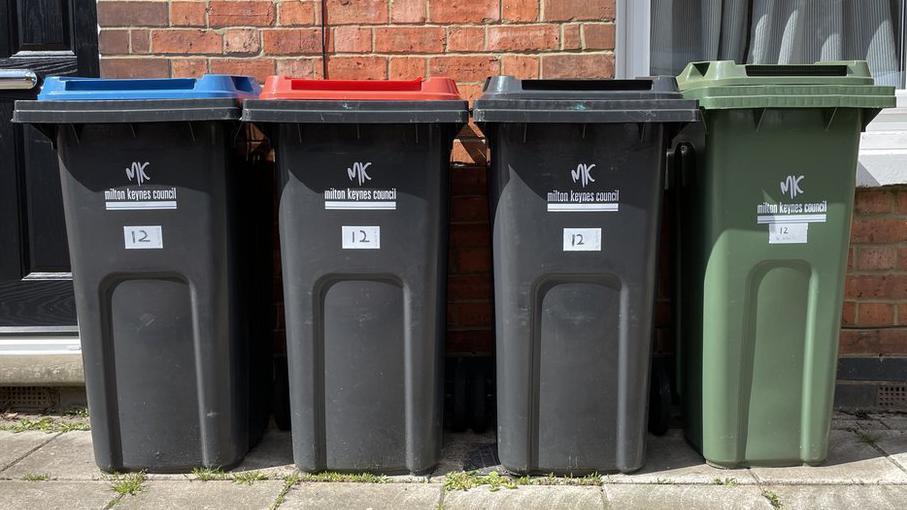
x=46 y=424
x=130 y=483
x=207 y=474
x=288 y=482
x=248 y=477
x=727 y=482
x=35 y=477
x=865 y=437
x=331 y=476
x=773 y=499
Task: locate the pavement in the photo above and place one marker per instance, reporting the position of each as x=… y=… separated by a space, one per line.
x=47 y=464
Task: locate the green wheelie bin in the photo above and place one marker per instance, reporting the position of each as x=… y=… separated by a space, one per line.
x=765 y=187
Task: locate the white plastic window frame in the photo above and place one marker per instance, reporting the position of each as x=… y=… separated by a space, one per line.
x=883 y=147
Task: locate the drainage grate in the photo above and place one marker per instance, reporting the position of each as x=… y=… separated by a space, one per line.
x=27 y=398
x=892 y=396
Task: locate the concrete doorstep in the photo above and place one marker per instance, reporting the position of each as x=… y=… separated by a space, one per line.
x=48 y=464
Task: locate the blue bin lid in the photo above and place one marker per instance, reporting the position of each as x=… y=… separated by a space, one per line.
x=209 y=86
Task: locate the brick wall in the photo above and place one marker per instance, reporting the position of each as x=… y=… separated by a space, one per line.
x=469 y=40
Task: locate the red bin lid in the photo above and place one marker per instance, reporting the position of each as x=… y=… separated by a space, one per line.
x=433 y=89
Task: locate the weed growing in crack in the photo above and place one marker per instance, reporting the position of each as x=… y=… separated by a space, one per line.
x=130 y=483
x=773 y=499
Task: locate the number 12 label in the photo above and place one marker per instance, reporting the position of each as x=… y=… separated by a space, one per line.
x=361 y=238
x=582 y=239
x=143 y=238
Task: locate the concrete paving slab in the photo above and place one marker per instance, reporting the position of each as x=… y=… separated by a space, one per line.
x=558 y=497
x=166 y=494
x=361 y=496
x=670 y=459
x=817 y=497
x=673 y=497
x=458 y=447
x=894 y=444
x=894 y=421
x=272 y=456
x=67 y=457
x=14 y=446
x=55 y=495
x=850 y=460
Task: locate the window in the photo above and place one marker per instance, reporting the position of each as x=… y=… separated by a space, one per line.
x=662 y=36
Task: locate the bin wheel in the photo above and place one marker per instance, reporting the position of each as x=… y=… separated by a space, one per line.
x=281 y=394
x=478 y=394
x=659 y=400
x=460 y=398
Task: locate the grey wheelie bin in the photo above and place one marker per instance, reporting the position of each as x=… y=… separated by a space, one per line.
x=576 y=186
x=159 y=216
x=363 y=233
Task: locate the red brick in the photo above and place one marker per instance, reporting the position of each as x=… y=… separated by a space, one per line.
x=357 y=68
x=470 y=92
x=849 y=313
x=523 y=37
x=902 y=259
x=127 y=14
x=113 y=42
x=468 y=209
x=351 y=39
x=186 y=42
x=188 y=67
x=260 y=68
x=598 y=36
x=187 y=14
x=569 y=10
x=901 y=201
x=135 y=68
x=892 y=341
x=471 y=151
x=465 y=39
x=406 y=68
x=856 y=341
x=356 y=12
x=140 y=40
x=409 y=40
x=294 y=13
x=300 y=68
x=468 y=181
x=875 y=314
x=902 y=314
x=864 y=286
x=572 y=39
x=578 y=66
x=875 y=258
x=469 y=314
x=245 y=41
x=408 y=11
x=465 y=69
x=851 y=256
x=469 y=287
x=895 y=286
x=470 y=234
x=520 y=10
x=464 y=11
x=871 y=201
x=292 y=41
x=520 y=66
x=878 y=230
x=241 y=14
x=473 y=341
x=472 y=260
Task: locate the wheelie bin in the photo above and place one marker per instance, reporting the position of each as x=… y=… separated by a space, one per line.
x=575 y=186
x=159 y=216
x=766 y=191
x=363 y=234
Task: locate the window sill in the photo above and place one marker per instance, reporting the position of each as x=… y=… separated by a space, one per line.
x=883 y=148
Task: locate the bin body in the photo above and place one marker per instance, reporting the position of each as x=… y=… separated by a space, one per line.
x=363 y=229
x=575 y=186
x=766 y=212
x=158 y=222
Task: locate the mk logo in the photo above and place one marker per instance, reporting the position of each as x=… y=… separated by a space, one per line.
x=358 y=172
x=583 y=174
x=137 y=172
x=791 y=186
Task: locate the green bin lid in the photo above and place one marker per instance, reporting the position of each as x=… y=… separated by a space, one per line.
x=724 y=84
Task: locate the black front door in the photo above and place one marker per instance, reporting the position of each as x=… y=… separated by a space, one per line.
x=38 y=38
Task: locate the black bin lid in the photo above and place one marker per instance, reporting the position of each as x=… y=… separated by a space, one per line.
x=506 y=99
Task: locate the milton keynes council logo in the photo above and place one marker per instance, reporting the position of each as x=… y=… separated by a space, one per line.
x=358 y=173
x=136 y=172
x=791 y=186
x=583 y=174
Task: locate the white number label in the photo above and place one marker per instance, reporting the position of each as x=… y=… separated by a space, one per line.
x=787 y=233
x=582 y=239
x=143 y=238
x=361 y=238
